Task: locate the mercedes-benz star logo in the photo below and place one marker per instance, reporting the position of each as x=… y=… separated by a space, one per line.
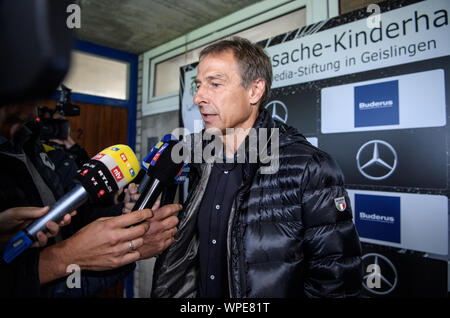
x=381 y=163
x=279 y=110
x=382 y=277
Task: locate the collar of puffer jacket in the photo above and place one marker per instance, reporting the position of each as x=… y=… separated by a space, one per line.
x=287 y=136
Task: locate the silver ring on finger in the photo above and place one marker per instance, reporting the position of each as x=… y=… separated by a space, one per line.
x=131 y=246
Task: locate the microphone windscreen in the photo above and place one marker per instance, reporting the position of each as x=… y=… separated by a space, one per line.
x=162 y=166
x=121 y=161
x=146 y=161
x=111 y=169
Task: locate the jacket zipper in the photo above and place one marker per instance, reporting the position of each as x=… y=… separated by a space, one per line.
x=230 y=225
x=241 y=267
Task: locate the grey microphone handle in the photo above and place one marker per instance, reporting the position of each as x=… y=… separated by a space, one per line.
x=69 y=202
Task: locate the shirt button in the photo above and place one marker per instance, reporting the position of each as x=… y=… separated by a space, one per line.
x=217 y=207
x=214 y=242
x=212 y=277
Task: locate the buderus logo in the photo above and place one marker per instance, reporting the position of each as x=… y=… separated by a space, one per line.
x=377 y=104
x=378 y=217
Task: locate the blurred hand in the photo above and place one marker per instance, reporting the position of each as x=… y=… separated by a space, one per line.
x=161 y=231
x=16 y=219
x=117 y=195
x=131 y=196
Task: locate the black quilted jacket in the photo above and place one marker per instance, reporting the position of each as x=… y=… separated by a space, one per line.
x=286 y=236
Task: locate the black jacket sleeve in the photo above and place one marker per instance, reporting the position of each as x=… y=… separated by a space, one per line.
x=332 y=248
x=20 y=278
x=91 y=283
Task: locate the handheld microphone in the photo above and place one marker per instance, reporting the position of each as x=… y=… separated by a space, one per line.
x=162 y=172
x=179 y=178
x=148 y=159
x=106 y=172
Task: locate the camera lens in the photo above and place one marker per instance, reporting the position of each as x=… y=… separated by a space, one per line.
x=54 y=128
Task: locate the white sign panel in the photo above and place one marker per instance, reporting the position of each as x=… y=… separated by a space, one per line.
x=408 y=101
x=409 y=34
x=416 y=222
x=313 y=141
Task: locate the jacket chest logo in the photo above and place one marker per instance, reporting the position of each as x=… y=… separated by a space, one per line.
x=46 y=161
x=340 y=203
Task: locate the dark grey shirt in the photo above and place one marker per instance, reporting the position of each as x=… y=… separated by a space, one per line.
x=223 y=184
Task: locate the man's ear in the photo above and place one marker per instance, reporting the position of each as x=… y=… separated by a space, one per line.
x=256 y=90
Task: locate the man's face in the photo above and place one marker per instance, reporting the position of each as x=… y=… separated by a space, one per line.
x=221 y=99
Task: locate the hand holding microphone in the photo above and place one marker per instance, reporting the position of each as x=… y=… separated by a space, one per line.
x=131 y=196
x=15 y=219
x=115 y=241
x=161 y=231
x=162 y=171
x=163 y=175
x=118 y=242
x=106 y=243
x=104 y=174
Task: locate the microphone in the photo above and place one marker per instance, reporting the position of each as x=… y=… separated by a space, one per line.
x=146 y=161
x=162 y=173
x=109 y=170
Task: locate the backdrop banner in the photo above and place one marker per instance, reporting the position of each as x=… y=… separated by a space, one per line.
x=372 y=91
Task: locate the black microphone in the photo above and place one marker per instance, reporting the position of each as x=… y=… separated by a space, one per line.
x=162 y=171
x=145 y=163
x=168 y=194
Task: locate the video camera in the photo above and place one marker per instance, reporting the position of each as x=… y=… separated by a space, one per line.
x=53 y=128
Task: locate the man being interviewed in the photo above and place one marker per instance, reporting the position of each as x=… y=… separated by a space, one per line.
x=248 y=233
